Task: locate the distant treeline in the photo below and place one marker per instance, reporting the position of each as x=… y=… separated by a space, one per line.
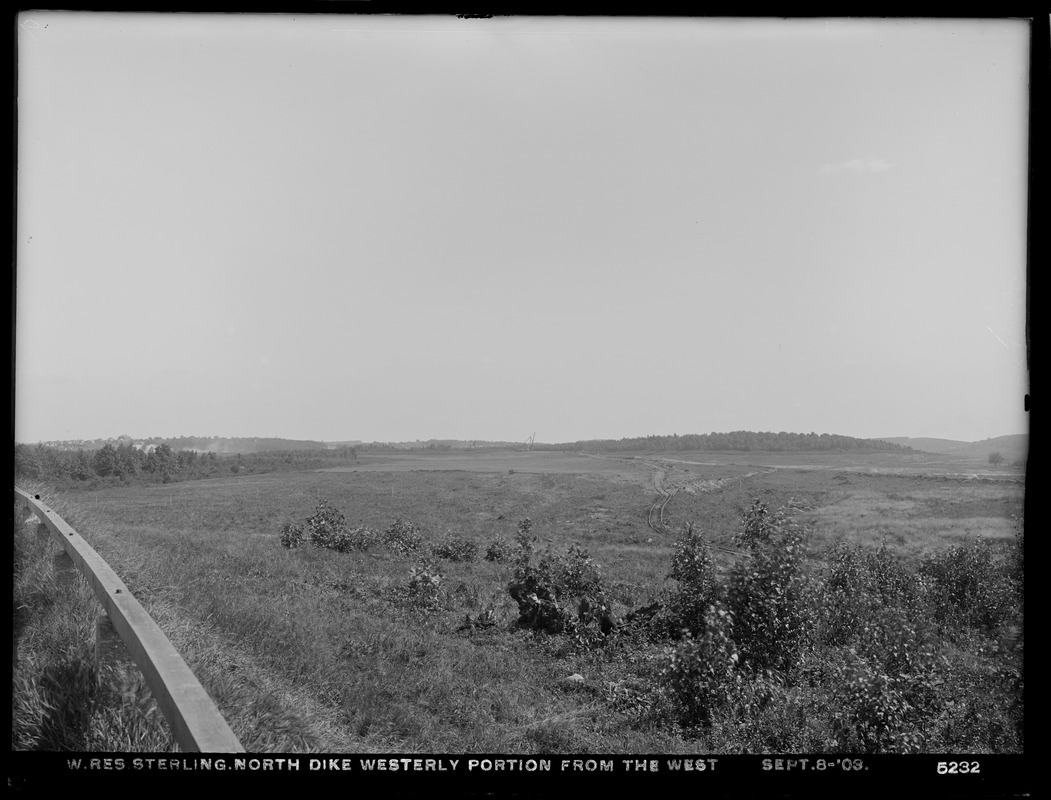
x=735 y=440
x=218 y=444
x=433 y=445
x=203 y=444
x=127 y=464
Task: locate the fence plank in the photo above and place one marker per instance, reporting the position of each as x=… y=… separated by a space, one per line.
x=196 y=722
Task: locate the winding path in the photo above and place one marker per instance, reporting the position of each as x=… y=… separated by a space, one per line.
x=655 y=516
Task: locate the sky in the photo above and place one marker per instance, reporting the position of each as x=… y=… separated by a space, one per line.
x=390 y=228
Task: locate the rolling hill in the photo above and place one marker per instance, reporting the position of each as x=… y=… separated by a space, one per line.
x=1012 y=447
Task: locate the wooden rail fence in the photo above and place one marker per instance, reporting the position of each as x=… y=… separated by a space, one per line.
x=195 y=721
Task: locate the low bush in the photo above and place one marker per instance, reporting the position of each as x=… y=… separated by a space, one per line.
x=499 y=551
x=970 y=585
x=455 y=549
x=424 y=590
x=874 y=714
x=702 y=673
x=327 y=527
x=697 y=589
x=557 y=592
x=859 y=584
x=403 y=538
x=292 y=535
x=362 y=538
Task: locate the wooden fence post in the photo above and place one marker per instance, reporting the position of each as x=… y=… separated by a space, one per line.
x=109 y=649
x=194 y=719
x=65 y=569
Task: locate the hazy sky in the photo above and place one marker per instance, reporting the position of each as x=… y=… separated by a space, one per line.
x=391 y=228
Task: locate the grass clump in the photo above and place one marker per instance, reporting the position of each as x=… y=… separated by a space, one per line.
x=456 y=549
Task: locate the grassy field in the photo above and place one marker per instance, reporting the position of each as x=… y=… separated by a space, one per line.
x=312 y=650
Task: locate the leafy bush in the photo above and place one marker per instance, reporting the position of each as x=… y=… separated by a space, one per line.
x=557 y=592
x=1016 y=562
x=970 y=585
x=874 y=714
x=524 y=541
x=456 y=549
x=328 y=527
x=761 y=525
x=580 y=576
x=769 y=594
x=758 y=524
x=362 y=538
x=424 y=591
x=403 y=538
x=693 y=569
x=860 y=584
x=703 y=672
x=292 y=535
x=499 y=551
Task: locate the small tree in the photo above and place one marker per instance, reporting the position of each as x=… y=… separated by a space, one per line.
x=996 y=458
x=694 y=570
x=105 y=460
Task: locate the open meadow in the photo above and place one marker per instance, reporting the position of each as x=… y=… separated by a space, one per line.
x=386 y=644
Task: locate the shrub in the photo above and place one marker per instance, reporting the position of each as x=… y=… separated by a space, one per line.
x=558 y=591
x=874 y=715
x=424 y=591
x=328 y=527
x=768 y=596
x=761 y=525
x=456 y=549
x=897 y=642
x=758 y=524
x=694 y=571
x=525 y=542
x=292 y=535
x=579 y=575
x=362 y=538
x=969 y=585
x=860 y=584
x=768 y=593
x=403 y=538
x=499 y=551
x=1016 y=562
x=703 y=672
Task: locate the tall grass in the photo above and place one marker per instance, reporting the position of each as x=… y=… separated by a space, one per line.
x=62 y=699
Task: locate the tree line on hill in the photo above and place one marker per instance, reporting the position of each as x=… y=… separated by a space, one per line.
x=734 y=440
x=127 y=464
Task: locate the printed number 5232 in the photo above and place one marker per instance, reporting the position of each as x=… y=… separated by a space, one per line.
x=957 y=767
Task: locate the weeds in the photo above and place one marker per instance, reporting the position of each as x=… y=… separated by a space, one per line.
x=424 y=590
x=455 y=549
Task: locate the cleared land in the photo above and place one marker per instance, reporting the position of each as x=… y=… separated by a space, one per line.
x=336 y=661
